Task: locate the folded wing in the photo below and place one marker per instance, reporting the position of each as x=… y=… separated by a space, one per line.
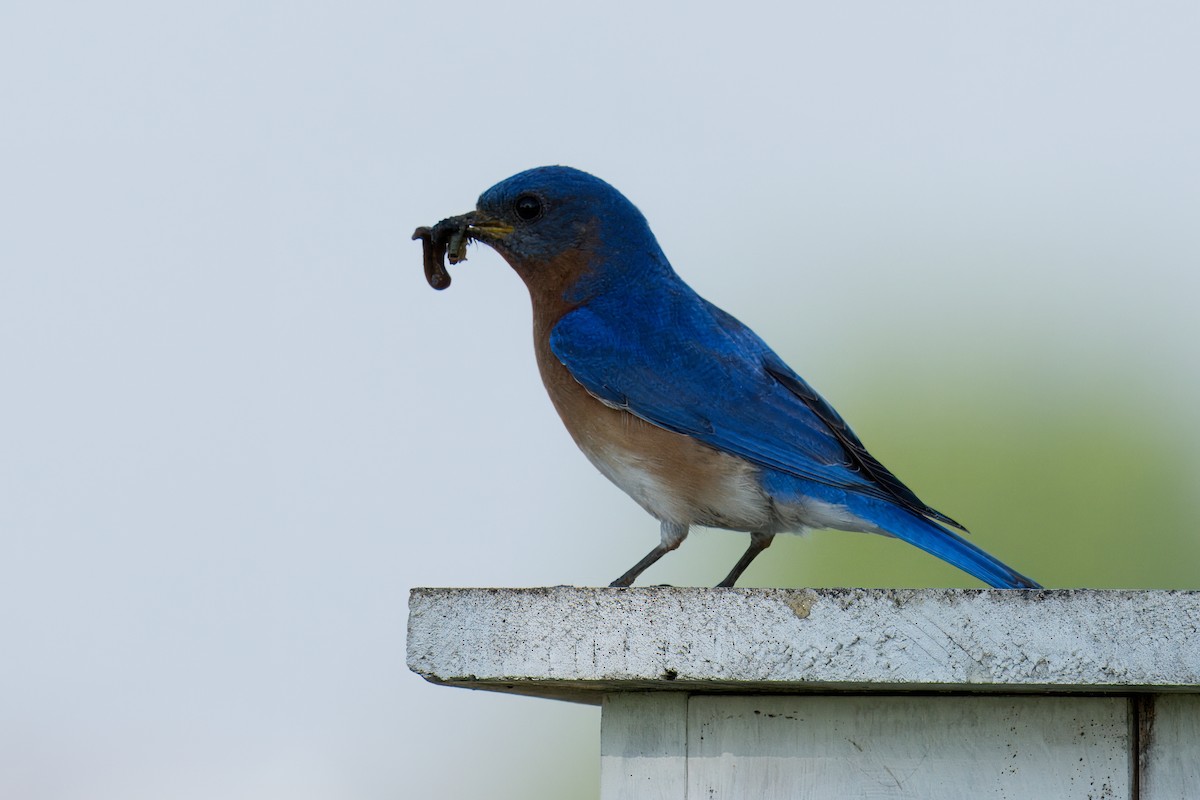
x=679 y=362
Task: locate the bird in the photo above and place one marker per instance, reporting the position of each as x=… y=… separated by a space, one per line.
x=675 y=401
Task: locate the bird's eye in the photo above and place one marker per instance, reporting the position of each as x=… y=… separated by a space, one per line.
x=528 y=207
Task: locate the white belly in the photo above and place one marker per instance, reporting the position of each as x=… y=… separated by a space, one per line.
x=730 y=498
x=727 y=495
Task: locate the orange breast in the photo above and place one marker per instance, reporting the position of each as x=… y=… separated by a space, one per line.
x=673 y=476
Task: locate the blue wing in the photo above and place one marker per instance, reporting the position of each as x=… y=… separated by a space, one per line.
x=670 y=357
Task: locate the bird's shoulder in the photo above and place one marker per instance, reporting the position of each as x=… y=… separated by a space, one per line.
x=678 y=361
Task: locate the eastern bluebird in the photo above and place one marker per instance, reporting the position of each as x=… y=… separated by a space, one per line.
x=674 y=400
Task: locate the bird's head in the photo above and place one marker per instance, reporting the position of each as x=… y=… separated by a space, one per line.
x=565 y=232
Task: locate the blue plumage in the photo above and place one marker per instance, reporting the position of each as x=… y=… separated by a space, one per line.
x=678 y=402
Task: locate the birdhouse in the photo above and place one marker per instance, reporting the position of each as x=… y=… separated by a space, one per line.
x=763 y=693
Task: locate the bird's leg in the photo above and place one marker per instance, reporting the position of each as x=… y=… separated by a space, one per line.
x=673 y=534
x=758 y=543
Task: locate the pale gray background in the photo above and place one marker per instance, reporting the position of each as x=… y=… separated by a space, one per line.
x=237 y=426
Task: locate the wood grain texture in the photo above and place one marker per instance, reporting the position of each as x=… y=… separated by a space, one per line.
x=897 y=748
x=1170 y=758
x=579 y=643
x=643 y=746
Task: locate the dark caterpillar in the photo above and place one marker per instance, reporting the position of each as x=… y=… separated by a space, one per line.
x=449 y=235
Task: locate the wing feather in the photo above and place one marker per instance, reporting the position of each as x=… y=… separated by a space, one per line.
x=696 y=370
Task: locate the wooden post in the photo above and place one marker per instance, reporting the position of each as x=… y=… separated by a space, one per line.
x=765 y=693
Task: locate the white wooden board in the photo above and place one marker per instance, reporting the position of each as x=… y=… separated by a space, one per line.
x=580 y=643
x=1171 y=752
x=893 y=748
x=643 y=746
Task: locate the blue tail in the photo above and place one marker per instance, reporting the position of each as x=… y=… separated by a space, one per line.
x=945 y=544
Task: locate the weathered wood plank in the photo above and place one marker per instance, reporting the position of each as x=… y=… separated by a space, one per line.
x=897 y=748
x=1170 y=757
x=577 y=644
x=643 y=746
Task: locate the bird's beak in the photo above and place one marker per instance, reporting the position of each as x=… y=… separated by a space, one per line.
x=472 y=226
x=486 y=229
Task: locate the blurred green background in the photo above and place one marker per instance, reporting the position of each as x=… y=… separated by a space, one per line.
x=1073 y=482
